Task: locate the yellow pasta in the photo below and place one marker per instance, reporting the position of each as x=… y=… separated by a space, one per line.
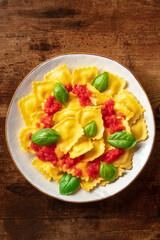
x=47 y=169
x=24 y=139
x=96 y=151
x=61 y=74
x=120 y=107
x=90 y=184
x=67 y=112
x=73 y=102
x=116 y=84
x=125 y=160
x=97 y=97
x=83 y=76
x=35 y=118
x=43 y=90
x=83 y=145
x=70 y=131
x=139 y=130
x=28 y=105
x=89 y=114
x=131 y=103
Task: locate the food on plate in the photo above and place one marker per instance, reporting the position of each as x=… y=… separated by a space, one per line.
x=81 y=127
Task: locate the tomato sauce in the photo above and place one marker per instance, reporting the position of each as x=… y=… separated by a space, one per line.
x=93 y=168
x=51 y=106
x=108 y=157
x=47 y=154
x=35 y=147
x=38 y=125
x=69 y=162
x=110 y=118
x=112 y=155
x=83 y=94
x=47 y=121
x=78 y=172
x=29 y=136
x=69 y=88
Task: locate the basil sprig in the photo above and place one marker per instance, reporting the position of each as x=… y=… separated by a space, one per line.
x=123 y=139
x=61 y=94
x=68 y=184
x=45 y=137
x=91 y=129
x=107 y=172
x=101 y=82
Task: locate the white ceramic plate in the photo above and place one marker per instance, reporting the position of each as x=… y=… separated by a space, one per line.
x=14 y=123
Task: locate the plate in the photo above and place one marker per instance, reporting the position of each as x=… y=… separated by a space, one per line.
x=14 y=123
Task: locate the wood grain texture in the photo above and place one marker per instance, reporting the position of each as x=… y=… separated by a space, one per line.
x=33 y=31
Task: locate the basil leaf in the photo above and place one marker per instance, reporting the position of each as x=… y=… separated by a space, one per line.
x=107 y=172
x=45 y=137
x=91 y=129
x=68 y=184
x=122 y=139
x=101 y=82
x=61 y=94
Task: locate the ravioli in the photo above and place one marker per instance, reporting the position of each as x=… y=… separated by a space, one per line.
x=116 y=84
x=83 y=76
x=67 y=112
x=28 y=105
x=47 y=169
x=43 y=90
x=61 y=74
x=125 y=161
x=97 y=97
x=35 y=118
x=131 y=103
x=24 y=139
x=139 y=130
x=89 y=114
x=83 y=145
x=96 y=151
x=70 y=131
x=74 y=153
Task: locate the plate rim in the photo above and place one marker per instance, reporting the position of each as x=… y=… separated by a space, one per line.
x=9 y=107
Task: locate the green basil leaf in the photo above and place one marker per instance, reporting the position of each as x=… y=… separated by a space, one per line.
x=91 y=129
x=45 y=137
x=101 y=82
x=107 y=172
x=68 y=184
x=61 y=94
x=122 y=139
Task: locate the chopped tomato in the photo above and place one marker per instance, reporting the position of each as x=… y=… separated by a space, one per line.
x=51 y=106
x=38 y=124
x=112 y=155
x=78 y=172
x=35 y=147
x=48 y=154
x=108 y=108
x=70 y=162
x=93 y=168
x=29 y=136
x=110 y=118
x=69 y=87
x=46 y=120
x=83 y=94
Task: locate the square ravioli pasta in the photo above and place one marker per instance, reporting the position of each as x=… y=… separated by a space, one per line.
x=81 y=127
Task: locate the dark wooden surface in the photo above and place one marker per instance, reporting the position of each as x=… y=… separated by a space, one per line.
x=33 y=31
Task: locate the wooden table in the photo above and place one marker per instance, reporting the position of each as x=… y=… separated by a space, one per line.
x=33 y=31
